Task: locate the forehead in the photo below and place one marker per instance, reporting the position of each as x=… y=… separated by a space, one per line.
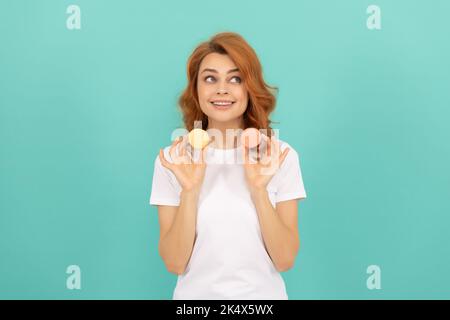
x=221 y=62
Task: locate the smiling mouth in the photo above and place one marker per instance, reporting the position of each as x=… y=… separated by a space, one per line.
x=222 y=104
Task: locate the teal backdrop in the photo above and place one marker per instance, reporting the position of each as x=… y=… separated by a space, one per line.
x=83 y=114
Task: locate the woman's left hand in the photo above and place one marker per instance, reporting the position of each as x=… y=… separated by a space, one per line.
x=259 y=172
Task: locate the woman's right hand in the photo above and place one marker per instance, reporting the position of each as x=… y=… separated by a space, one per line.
x=189 y=173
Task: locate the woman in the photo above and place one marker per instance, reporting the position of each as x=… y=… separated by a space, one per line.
x=227 y=226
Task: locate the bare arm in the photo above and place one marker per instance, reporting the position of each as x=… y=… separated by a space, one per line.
x=279 y=229
x=278 y=225
x=177 y=235
x=178 y=223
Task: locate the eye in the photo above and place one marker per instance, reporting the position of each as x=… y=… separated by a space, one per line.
x=207 y=77
x=235 y=77
x=239 y=79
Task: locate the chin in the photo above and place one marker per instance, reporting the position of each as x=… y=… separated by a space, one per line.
x=223 y=119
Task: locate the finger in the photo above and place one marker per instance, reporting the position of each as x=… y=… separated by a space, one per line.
x=189 y=149
x=266 y=157
x=250 y=153
x=183 y=147
x=197 y=154
x=276 y=147
x=283 y=156
x=172 y=146
x=163 y=160
x=273 y=151
x=245 y=152
x=211 y=141
x=173 y=150
x=260 y=152
x=268 y=146
x=186 y=152
x=205 y=151
x=264 y=138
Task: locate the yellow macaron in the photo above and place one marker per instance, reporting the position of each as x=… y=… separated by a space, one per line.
x=198 y=138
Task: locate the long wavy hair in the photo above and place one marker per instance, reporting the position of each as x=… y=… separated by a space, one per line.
x=261 y=96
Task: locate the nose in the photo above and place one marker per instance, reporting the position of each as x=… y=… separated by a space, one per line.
x=222 y=88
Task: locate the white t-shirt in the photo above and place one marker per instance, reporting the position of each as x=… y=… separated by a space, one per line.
x=229 y=259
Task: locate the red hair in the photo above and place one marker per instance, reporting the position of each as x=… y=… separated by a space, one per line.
x=261 y=99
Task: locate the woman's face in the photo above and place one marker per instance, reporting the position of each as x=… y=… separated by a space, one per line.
x=221 y=92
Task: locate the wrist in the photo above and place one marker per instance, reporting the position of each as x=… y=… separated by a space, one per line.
x=194 y=191
x=257 y=190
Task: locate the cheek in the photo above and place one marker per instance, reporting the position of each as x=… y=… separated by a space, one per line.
x=242 y=95
x=200 y=90
x=204 y=95
x=204 y=92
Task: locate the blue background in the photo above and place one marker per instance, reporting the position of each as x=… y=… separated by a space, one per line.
x=83 y=114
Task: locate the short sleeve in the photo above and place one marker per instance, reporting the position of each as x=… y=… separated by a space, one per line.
x=288 y=180
x=165 y=187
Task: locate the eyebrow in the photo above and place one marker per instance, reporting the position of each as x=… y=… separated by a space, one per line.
x=215 y=71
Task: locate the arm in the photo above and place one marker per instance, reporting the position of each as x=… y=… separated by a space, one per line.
x=279 y=228
x=178 y=223
x=177 y=231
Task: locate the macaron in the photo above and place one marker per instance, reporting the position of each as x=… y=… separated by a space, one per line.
x=198 y=138
x=251 y=137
